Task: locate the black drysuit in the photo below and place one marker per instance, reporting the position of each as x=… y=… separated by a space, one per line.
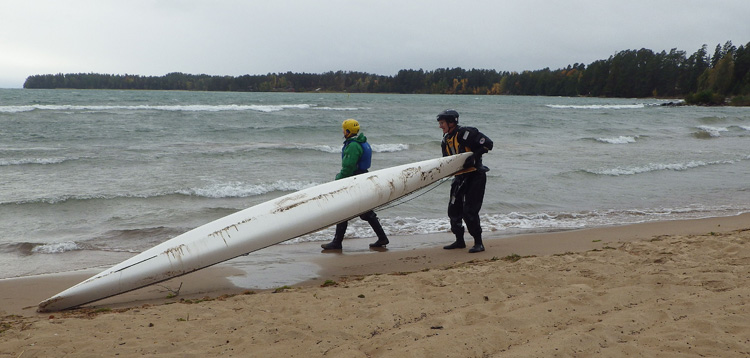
x=467 y=190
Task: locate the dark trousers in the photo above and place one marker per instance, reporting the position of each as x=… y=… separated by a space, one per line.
x=370 y=217
x=467 y=195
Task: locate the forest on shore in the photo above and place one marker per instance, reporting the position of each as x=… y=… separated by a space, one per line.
x=700 y=78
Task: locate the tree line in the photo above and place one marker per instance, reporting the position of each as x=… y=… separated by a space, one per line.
x=702 y=76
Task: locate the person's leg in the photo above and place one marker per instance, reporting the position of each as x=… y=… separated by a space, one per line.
x=335 y=244
x=372 y=219
x=455 y=214
x=474 y=198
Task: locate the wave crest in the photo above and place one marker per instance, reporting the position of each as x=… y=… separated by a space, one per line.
x=213 y=191
x=174 y=108
x=709 y=132
x=56 y=248
x=597 y=106
x=389 y=148
x=617 y=140
x=654 y=167
x=34 y=161
x=243 y=190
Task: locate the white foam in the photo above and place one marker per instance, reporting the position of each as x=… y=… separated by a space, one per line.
x=242 y=190
x=394 y=226
x=214 y=191
x=336 y=109
x=42 y=161
x=388 y=148
x=16 y=109
x=597 y=106
x=713 y=131
x=186 y=108
x=513 y=222
x=377 y=148
x=617 y=140
x=56 y=248
x=324 y=148
x=652 y=167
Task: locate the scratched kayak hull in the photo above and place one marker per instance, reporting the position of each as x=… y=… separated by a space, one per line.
x=257 y=227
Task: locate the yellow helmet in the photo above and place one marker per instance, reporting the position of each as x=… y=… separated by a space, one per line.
x=350 y=126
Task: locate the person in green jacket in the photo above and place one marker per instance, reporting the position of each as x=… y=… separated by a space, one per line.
x=356 y=156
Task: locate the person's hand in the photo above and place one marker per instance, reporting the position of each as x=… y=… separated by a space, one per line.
x=470 y=161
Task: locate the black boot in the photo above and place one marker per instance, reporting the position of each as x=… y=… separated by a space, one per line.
x=380 y=243
x=335 y=244
x=382 y=238
x=478 y=247
x=459 y=243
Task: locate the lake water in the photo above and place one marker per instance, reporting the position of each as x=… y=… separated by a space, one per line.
x=88 y=178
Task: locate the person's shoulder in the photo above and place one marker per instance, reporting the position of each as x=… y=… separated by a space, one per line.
x=356 y=143
x=466 y=131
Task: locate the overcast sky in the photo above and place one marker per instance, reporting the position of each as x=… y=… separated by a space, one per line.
x=236 y=37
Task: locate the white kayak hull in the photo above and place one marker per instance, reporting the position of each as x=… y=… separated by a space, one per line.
x=257 y=227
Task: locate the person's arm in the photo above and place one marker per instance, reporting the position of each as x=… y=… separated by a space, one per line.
x=478 y=143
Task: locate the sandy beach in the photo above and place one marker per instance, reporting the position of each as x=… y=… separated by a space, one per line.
x=662 y=289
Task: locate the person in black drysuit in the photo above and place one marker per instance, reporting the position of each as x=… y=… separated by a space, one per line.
x=467 y=190
x=356 y=156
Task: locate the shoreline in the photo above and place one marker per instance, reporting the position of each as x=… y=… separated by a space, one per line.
x=266 y=271
x=534 y=244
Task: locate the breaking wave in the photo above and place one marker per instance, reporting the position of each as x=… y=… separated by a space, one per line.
x=173 y=108
x=597 y=106
x=655 y=167
x=618 y=140
x=213 y=191
x=521 y=222
x=243 y=190
x=377 y=148
x=709 y=132
x=33 y=161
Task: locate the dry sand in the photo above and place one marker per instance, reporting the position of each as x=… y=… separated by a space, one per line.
x=665 y=289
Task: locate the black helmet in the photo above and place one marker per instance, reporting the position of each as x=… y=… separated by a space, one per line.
x=449 y=115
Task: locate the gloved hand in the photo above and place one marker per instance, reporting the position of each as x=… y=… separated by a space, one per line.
x=471 y=161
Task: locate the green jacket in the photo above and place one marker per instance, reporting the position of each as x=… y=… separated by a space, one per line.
x=350 y=155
